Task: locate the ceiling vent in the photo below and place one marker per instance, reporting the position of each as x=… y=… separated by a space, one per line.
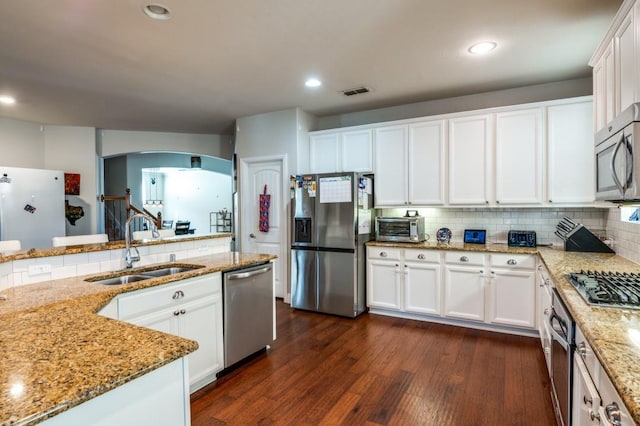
x=356 y=91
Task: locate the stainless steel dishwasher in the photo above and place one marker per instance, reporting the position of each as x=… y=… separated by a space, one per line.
x=248 y=311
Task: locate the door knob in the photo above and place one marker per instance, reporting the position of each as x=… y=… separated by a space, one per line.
x=252 y=235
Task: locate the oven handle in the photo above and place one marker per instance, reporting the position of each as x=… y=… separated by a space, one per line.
x=558 y=325
x=629 y=175
x=614 y=175
x=560 y=339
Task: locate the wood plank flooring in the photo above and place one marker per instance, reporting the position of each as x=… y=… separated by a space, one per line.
x=376 y=370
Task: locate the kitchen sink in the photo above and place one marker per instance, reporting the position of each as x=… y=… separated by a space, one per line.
x=123 y=279
x=129 y=277
x=169 y=271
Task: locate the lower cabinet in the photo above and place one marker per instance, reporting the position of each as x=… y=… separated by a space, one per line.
x=160 y=398
x=190 y=308
x=403 y=280
x=476 y=287
x=544 y=311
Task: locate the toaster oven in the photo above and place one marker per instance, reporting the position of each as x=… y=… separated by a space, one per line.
x=400 y=229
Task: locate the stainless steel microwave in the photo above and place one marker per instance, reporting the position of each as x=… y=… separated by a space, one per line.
x=400 y=229
x=618 y=158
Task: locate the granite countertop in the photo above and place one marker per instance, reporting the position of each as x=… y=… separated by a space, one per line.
x=614 y=334
x=56 y=352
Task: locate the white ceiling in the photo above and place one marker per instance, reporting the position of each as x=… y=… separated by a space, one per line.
x=103 y=63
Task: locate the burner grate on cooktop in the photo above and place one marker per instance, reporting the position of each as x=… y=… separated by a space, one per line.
x=608 y=289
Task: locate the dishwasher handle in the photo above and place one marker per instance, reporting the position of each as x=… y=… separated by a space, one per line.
x=242 y=275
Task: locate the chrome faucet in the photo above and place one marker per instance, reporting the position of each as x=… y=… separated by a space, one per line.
x=129 y=258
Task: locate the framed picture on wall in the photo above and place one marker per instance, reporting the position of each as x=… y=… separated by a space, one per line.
x=72 y=184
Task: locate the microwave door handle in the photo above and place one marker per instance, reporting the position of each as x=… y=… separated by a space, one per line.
x=629 y=175
x=616 y=180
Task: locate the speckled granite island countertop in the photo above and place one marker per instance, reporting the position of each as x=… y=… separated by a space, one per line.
x=614 y=334
x=56 y=352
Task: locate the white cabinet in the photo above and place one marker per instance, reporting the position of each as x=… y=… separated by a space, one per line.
x=544 y=311
x=519 y=157
x=190 y=308
x=390 y=168
x=616 y=62
x=470 y=159
x=344 y=151
x=464 y=285
x=570 y=156
x=403 y=280
x=426 y=163
x=410 y=164
x=512 y=290
x=160 y=397
x=586 y=399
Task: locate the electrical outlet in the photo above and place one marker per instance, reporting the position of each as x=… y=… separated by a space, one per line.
x=39 y=269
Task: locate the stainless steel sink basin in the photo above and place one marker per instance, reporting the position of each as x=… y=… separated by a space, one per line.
x=123 y=279
x=137 y=275
x=169 y=271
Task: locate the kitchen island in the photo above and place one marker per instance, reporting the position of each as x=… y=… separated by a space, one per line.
x=613 y=333
x=57 y=353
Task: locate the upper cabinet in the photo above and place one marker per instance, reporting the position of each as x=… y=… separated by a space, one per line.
x=616 y=62
x=470 y=140
x=519 y=157
x=347 y=151
x=537 y=154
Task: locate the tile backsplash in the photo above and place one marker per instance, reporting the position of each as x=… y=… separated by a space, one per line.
x=498 y=222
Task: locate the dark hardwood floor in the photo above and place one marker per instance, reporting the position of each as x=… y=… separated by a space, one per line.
x=376 y=370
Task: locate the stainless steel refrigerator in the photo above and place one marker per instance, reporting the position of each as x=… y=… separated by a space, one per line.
x=31 y=206
x=332 y=218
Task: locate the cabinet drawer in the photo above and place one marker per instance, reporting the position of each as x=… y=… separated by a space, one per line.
x=171 y=294
x=432 y=256
x=464 y=258
x=520 y=261
x=389 y=253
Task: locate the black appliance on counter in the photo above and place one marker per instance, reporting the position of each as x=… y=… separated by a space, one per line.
x=578 y=238
x=521 y=239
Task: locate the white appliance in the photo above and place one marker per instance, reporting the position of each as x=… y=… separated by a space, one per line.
x=617 y=158
x=31 y=206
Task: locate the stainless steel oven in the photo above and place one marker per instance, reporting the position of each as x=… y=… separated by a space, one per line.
x=562 y=343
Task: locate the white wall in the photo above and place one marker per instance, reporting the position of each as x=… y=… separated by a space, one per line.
x=21 y=144
x=118 y=142
x=625 y=235
x=519 y=95
x=72 y=149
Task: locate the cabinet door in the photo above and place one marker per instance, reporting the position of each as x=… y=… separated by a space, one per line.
x=383 y=284
x=427 y=163
x=570 y=136
x=357 y=151
x=513 y=297
x=519 y=157
x=625 y=63
x=164 y=320
x=464 y=293
x=586 y=399
x=391 y=166
x=201 y=321
x=469 y=164
x=422 y=288
x=604 y=89
x=324 y=152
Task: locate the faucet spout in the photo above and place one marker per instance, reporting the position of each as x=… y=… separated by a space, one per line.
x=131 y=253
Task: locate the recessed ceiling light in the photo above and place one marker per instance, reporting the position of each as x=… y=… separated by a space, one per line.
x=157 y=11
x=313 y=82
x=7 y=100
x=483 y=47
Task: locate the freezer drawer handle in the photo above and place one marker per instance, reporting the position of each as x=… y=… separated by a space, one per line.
x=247 y=274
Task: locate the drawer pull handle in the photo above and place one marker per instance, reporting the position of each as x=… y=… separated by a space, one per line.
x=582 y=349
x=421 y=256
x=383 y=254
x=512 y=262
x=464 y=259
x=587 y=401
x=178 y=295
x=176 y=313
x=613 y=414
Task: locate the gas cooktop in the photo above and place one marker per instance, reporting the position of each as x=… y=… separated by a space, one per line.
x=608 y=289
